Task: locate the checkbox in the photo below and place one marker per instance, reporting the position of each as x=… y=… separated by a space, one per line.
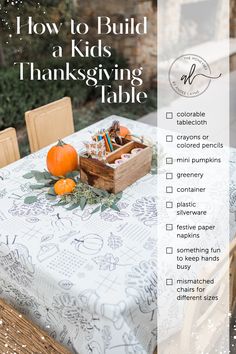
x=169 y=250
x=169 y=115
x=169 y=281
x=169 y=189
x=169 y=227
x=169 y=175
x=169 y=205
x=169 y=160
x=169 y=138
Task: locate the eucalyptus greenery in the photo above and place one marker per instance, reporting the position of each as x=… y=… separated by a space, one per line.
x=154 y=165
x=81 y=196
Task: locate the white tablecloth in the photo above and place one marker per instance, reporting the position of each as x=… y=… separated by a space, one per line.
x=89 y=280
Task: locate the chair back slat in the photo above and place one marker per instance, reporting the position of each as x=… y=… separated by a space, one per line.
x=46 y=124
x=9 y=149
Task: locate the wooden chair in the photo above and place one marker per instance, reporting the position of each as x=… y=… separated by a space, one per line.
x=18 y=335
x=9 y=149
x=48 y=123
x=198 y=318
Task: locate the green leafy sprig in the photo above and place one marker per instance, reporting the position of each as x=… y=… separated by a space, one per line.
x=82 y=195
x=154 y=166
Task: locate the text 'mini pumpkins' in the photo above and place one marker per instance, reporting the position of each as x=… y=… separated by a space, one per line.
x=62 y=159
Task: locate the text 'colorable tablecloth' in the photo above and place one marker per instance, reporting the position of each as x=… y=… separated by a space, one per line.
x=89 y=280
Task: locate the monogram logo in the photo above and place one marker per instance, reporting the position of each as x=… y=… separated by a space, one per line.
x=190 y=75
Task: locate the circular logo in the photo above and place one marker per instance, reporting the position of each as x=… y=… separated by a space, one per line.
x=190 y=75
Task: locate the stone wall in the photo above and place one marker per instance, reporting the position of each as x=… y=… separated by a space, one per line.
x=138 y=50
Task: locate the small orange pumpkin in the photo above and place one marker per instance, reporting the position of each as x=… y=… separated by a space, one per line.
x=64 y=186
x=124 y=132
x=62 y=159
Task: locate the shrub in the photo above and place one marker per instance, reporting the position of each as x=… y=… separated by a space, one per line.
x=17 y=97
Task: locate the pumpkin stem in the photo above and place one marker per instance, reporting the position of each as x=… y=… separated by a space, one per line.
x=58 y=216
x=60 y=143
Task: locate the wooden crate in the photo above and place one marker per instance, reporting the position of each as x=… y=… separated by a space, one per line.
x=114 y=180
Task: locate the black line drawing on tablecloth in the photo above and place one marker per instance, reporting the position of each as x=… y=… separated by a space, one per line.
x=17 y=262
x=25 y=188
x=106 y=336
x=94 y=348
x=112 y=215
x=107 y=262
x=66 y=263
x=150 y=244
x=114 y=241
x=3 y=193
x=41 y=207
x=130 y=344
x=32 y=220
x=21 y=299
x=2 y=216
x=107 y=283
x=85 y=214
x=65 y=284
x=70 y=308
x=145 y=209
x=142 y=285
x=91 y=302
x=46 y=238
x=232 y=198
x=64 y=237
x=116 y=313
x=32 y=232
x=135 y=232
x=47 y=251
x=61 y=223
x=89 y=244
x=4 y=174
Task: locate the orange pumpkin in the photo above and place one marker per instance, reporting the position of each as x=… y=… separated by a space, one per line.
x=124 y=132
x=64 y=186
x=62 y=159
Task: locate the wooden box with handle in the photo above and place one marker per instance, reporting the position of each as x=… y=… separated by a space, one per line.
x=114 y=178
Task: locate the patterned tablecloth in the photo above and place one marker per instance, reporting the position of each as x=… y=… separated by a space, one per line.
x=89 y=280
